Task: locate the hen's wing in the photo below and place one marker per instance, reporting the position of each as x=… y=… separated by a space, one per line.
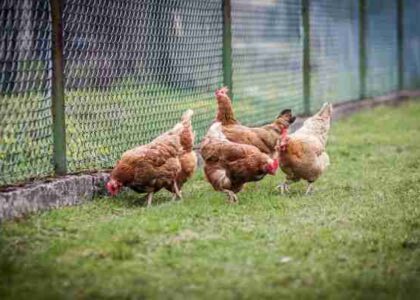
x=160 y=176
x=222 y=151
x=153 y=166
x=250 y=136
x=304 y=158
x=154 y=154
x=188 y=165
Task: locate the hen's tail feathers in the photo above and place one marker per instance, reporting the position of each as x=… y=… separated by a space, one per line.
x=326 y=110
x=215 y=131
x=187 y=134
x=225 y=113
x=186 y=117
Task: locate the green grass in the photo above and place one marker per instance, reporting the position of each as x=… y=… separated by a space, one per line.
x=357 y=237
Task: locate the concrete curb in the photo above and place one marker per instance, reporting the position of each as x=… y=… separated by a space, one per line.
x=76 y=189
x=63 y=191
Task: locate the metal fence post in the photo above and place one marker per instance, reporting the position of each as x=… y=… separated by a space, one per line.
x=227 y=46
x=306 y=56
x=362 y=48
x=400 y=39
x=57 y=96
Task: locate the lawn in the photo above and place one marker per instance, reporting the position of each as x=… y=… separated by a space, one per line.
x=356 y=237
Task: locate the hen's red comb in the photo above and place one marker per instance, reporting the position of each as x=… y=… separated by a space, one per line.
x=221 y=92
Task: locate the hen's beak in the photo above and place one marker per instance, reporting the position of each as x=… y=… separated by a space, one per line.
x=111 y=189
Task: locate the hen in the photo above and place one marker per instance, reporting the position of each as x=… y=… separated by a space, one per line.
x=303 y=155
x=228 y=166
x=167 y=162
x=264 y=138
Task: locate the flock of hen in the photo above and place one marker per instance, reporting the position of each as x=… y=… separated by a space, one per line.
x=233 y=154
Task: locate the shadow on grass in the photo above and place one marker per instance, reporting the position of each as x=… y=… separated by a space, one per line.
x=131 y=199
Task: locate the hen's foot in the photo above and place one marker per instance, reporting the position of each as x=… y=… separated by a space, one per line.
x=232 y=198
x=176 y=197
x=284 y=187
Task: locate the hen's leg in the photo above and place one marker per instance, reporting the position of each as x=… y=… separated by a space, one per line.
x=178 y=193
x=234 y=198
x=231 y=196
x=149 y=199
x=310 y=188
x=284 y=187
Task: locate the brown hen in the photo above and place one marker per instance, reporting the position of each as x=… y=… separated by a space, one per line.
x=167 y=162
x=304 y=156
x=228 y=166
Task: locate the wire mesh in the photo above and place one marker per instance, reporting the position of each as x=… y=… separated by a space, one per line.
x=25 y=90
x=334 y=51
x=411 y=52
x=132 y=68
x=381 y=47
x=267 y=59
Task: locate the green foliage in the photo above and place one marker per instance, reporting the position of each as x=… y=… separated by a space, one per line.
x=357 y=237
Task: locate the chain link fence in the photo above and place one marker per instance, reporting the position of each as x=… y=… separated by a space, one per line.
x=132 y=67
x=334 y=51
x=382 y=47
x=26 y=142
x=266 y=59
x=411 y=45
